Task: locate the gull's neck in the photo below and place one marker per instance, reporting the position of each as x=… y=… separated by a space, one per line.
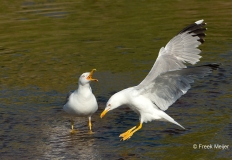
x=84 y=88
x=121 y=97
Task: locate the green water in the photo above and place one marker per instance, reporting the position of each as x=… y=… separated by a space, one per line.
x=46 y=45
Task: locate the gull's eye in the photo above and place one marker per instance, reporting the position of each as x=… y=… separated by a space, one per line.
x=109 y=105
x=83 y=75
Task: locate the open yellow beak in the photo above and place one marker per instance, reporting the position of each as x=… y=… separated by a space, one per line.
x=103 y=113
x=90 y=76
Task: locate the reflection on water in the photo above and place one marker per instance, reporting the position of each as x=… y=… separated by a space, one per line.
x=53 y=10
x=62 y=144
x=47 y=44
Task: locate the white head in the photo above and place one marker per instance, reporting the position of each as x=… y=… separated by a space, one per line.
x=115 y=101
x=85 y=78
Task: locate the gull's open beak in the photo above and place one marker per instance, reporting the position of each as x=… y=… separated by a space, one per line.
x=103 y=113
x=90 y=76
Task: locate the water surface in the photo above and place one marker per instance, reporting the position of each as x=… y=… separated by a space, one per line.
x=47 y=44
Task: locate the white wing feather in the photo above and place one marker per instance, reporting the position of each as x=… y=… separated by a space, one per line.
x=179 y=50
x=170 y=86
x=168 y=80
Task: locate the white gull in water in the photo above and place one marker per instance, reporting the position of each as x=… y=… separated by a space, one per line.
x=82 y=102
x=167 y=81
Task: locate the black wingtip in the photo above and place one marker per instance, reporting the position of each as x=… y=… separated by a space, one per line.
x=196 y=29
x=213 y=66
x=201 y=40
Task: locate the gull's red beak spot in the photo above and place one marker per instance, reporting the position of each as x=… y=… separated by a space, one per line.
x=103 y=113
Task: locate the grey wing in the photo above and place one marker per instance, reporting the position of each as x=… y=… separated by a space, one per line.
x=170 y=86
x=67 y=97
x=179 y=50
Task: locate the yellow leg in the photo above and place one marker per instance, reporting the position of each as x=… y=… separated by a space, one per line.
x=72 y=126
x=127 y=132
x=127 y=135
x=90 y=125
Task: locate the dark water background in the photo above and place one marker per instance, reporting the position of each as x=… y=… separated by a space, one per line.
x=46 y=44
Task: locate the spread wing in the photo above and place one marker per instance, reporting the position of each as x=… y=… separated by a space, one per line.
x=179 y=50
x=170 y=86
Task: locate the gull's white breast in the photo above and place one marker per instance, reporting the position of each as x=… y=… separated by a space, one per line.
x=81 y=104
x=142 y=106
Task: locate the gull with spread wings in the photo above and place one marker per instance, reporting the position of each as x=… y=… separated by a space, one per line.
x=167 y=81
